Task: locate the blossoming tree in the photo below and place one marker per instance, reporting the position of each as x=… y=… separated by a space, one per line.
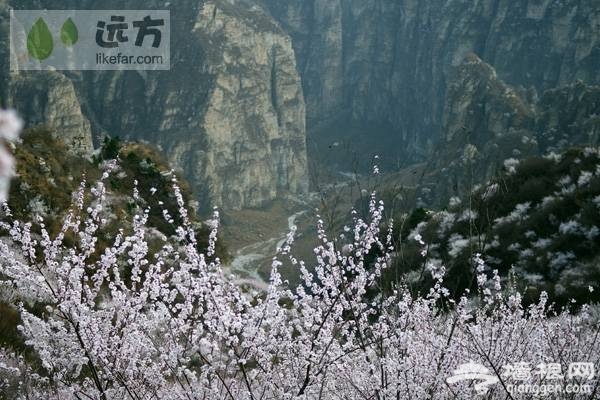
x=125 y=322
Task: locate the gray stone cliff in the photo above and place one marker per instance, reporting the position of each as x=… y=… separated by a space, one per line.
x=230 y=113
x=391 y=60
x=47 y=98
x=486 y=122
x=50 y=99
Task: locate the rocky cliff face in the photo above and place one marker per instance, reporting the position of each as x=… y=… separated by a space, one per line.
x=49 y=98
x=569 y=114
x=4 y=50
x=391 y=60
x=486 y=122
x=254 y=121
x=230 y=113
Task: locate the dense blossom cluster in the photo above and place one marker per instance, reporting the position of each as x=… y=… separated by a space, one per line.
x=539 y=220
x=10 y=128
x=128 y=323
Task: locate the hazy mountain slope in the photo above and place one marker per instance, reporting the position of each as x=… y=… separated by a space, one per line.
x=388 y=62
x=487 y=121
x=379 y=73
x=539 y=219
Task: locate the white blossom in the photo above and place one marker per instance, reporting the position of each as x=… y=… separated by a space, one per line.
x=10 y=124
x=457 y=244
x=10 y=128
x=585 y=178
x=177 y=327
x=518 y=214
x=510 y=165
x=570 y=228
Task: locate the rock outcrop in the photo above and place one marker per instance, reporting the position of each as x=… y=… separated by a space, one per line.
x=230 y=113
x=254 y=119
x=49 y=98
x=569 y=115
x=486 y=122
x=389 y=61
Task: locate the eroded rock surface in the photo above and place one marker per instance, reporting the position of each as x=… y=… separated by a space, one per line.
x=230 y=113
x=390 y=61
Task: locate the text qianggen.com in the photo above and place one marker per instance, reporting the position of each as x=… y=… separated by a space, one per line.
x=547 y=389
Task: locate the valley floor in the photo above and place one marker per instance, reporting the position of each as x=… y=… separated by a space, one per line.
x=254 y=235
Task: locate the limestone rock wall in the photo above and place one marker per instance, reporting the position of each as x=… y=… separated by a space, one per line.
x=390 y=60
x=49 y=98
x=230 y=113
x=254 y=121
x=486 y=122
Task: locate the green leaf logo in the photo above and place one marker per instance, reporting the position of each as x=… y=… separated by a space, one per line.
x=68 y=33
x=39 y=40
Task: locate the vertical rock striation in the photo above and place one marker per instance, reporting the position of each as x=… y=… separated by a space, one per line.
x=390 y=60
x=254 y=123
x=230 y=113
x=486 y=122
x=49 y=98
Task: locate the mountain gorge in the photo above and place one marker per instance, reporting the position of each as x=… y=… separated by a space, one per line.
x=252 y=80
x=317 y=199
x=388 y=62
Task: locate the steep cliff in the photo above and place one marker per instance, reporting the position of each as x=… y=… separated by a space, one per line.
x=49 y=98
x=569 y=114
x=230 y=113
x=389 y=61
x=486 y=122
x=4 y=50
x=254 y=121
